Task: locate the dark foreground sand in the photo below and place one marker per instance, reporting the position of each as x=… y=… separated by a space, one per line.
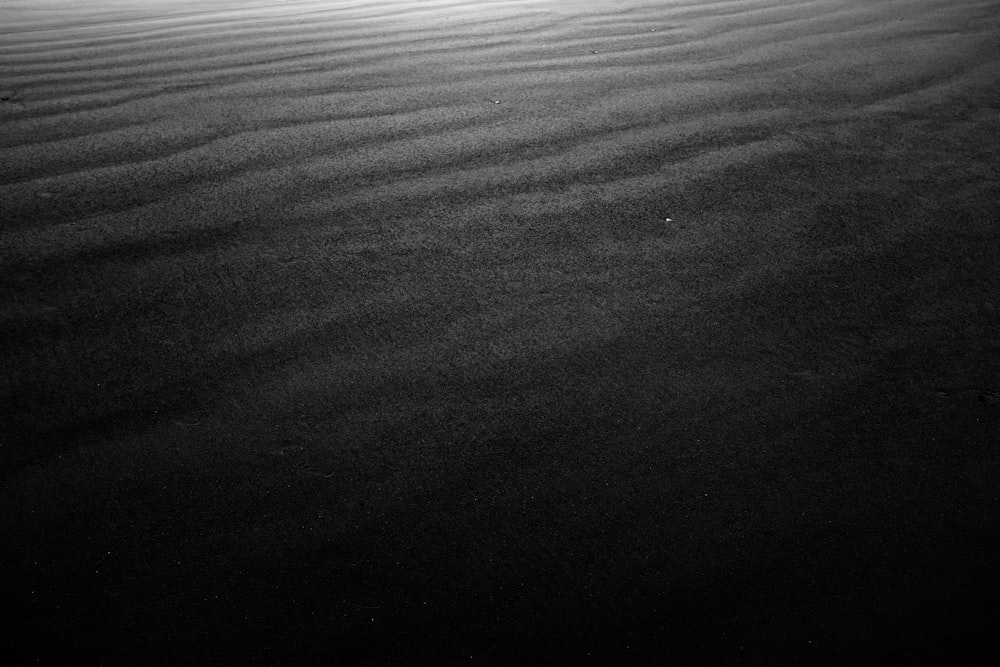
x=427 y=332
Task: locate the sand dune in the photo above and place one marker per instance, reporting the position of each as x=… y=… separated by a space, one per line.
x=450 y=321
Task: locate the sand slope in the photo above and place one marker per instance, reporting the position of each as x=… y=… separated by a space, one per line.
x=432 y=325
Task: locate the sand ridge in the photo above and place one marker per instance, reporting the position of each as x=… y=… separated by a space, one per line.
x=274 y=87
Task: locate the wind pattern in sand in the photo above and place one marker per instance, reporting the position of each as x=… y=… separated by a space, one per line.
x=578 y=262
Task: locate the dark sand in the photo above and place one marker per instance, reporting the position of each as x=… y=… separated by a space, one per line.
x=488 y=332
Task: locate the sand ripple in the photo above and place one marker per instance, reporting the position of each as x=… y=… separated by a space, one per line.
x=521 y=282
x=417 y=127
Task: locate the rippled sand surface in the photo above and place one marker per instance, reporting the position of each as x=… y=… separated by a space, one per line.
x=520 y=330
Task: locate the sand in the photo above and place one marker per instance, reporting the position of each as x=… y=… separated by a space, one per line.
x=427 y=331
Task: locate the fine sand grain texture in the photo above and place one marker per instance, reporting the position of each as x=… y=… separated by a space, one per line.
x=500 y=331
